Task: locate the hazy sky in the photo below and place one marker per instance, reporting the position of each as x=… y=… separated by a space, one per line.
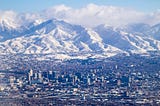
x=38 y=5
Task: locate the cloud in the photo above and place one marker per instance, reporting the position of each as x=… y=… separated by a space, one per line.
x=93 y=15
x=89 y=16
x=153 y=18
x=9 y=18
x=15 y=20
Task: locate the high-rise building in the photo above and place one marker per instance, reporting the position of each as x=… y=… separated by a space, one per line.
x=88 y=81
x=12 y=79
x=31 y=72
x=35 y=75
x=129 y=82
x=102 y=78
x=45 y=74
x=51 y=75
x=118 y=82
x=40 y=76
x=30 y=76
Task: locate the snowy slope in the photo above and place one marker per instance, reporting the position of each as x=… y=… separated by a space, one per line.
x=58 y=37
x=64 y=40
x=126 y=41
x=154 y=32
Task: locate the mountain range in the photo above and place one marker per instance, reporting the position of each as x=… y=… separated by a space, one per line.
x=64 y=40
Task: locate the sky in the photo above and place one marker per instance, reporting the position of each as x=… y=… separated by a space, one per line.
x=38 y=5
x=89 y=13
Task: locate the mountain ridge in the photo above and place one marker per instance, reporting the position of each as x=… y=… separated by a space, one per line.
x=62 y=38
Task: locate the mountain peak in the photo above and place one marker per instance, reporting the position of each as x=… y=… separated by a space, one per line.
x=60 y=38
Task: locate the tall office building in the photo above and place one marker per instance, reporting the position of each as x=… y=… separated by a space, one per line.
x=12 y=79
x=30 y=76
x=118 y=82
x=40 y=76
x=51 y=75
x=88 y=81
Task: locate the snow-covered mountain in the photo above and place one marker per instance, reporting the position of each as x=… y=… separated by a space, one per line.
x=128 y=40
x=64 y=40
x=154 y=32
